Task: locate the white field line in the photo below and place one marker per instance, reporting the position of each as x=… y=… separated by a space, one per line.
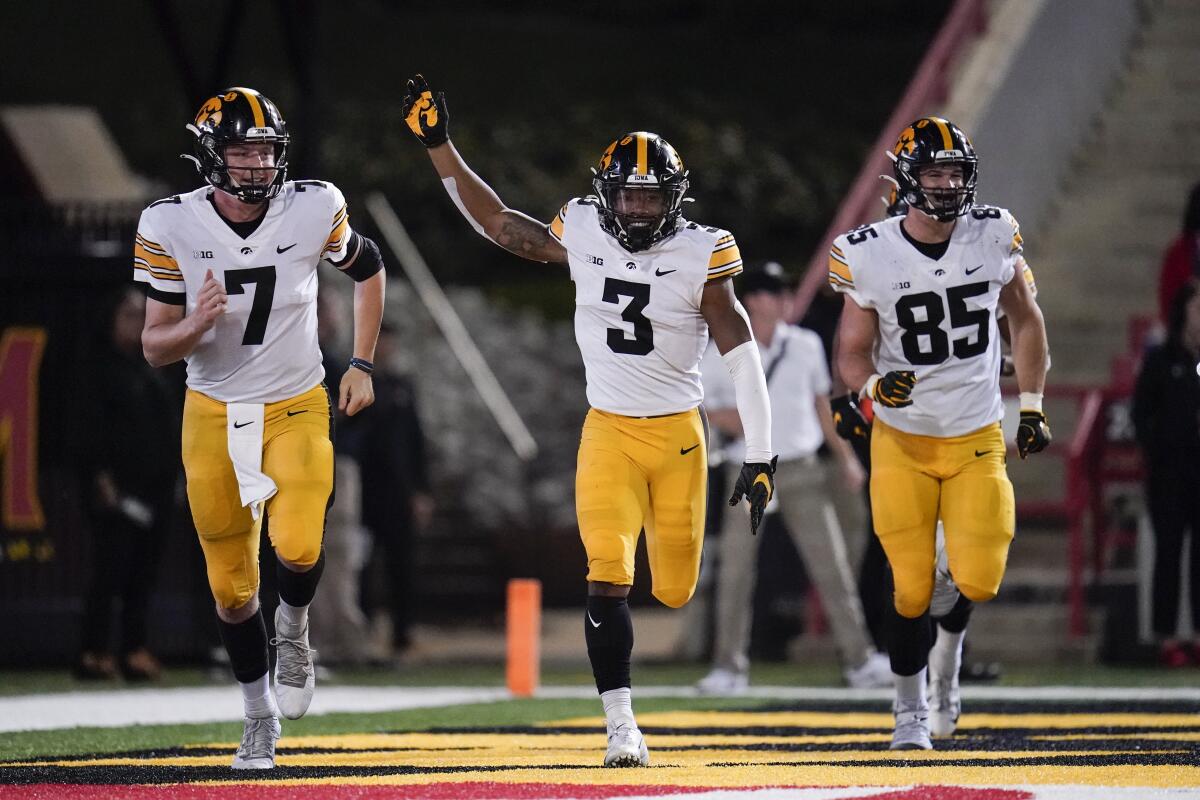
x=221 y=703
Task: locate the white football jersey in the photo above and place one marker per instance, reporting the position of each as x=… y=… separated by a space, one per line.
x=264 y=348
x=637 y=315
x=936 y=317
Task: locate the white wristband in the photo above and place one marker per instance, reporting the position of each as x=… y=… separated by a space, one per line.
x=868 y=389
x=1031 y=401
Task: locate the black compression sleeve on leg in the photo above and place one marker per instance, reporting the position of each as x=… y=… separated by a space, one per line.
x=909 y=641
x=246 y=644
x=958 y=617
x=608 y=629
x=298 y=588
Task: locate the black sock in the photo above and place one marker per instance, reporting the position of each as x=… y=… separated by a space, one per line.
x=608 y=629
x=909 y=641
x=246 y=644
x=958 y=617
x=298 y=588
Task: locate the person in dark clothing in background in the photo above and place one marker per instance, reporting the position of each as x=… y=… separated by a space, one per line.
x=1166 y=415
x=130 y=472
x=396 y=503
x=1181 y=261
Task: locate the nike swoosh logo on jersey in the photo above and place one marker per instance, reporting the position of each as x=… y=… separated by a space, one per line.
x=683 y=452
x=279 y=249
x=972 y=271
x=594 y=623
x=660 y=273
x=979 y=453
x=294 y=413
x=242 y=424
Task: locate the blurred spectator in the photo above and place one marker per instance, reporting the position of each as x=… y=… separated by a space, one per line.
x=1181 y=261
x=130 y=471
x=395 y=486
x=1166 y=414
x=817 y=500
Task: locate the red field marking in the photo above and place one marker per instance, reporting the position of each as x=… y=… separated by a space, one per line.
x=469 y=790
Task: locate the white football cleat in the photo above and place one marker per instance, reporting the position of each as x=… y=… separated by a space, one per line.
x=874 y=673
x=295 y=677
x=912 y=729
x=945 y=704
x=257 y=750
x=626 y=748
x=723 y=682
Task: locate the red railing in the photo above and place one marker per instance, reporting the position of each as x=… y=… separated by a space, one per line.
x=928 y=88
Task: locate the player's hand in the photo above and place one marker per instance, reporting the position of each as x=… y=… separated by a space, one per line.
x=894 y=389
x=356 y=391
x=1033 y=434
x=1008 y=367
x=210 y=302
x=756 y=483
x=848 y=418
x=425 y=113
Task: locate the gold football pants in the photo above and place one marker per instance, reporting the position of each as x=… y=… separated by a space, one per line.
x=915 y=480
x=638 y=473
x=297 y=456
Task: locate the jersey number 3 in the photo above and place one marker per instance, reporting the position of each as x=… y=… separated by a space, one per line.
x=931 y=326
x=264 y=293
x=643 y=332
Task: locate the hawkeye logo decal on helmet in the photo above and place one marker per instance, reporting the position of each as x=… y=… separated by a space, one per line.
x=907 y=141
x=211 y=111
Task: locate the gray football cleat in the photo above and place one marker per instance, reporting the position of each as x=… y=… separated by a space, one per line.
x=257 y=750
x=295 y=677
x=912 y=729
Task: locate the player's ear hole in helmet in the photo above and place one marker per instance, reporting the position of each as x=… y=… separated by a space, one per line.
x=640 y=183
x=935 y=167
x=240 y=144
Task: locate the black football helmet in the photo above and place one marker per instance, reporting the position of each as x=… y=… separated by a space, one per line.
x=239 y=116
x=924 y=143
x=640 y=162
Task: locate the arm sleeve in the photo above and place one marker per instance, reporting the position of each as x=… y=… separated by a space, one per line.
x=726 y=259
x=753 y=403
x=154 y=265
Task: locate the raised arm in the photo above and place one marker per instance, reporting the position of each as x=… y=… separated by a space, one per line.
x=427 y=118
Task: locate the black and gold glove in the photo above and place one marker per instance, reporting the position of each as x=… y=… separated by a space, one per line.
x=894 y=389
x=848 y=419
x=756 y=483
x=425 y=113
x=1033 y=434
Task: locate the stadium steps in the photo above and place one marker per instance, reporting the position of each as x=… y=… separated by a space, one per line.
x=1097 y=255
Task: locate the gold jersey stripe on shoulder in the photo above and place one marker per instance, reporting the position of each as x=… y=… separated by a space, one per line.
x=838 y=250
x=153 y=259
x=726 y=239
x=336 y=236
x=723 y=256
x=836 y=280
x=557 y=225
x=732 y=269
x=149 y=245
x=837 y=255
x=338 y=216
x=841 y=269
x=165 y=276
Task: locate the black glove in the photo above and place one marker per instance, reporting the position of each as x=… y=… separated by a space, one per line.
x=894 y=389
x=1033 y=434
x=756 y=483
x=424 y=113
x=848 y=418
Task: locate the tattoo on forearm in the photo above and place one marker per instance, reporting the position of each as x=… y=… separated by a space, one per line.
x=527 y=238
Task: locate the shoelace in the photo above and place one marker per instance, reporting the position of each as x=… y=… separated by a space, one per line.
x=295 y=666
x=257 y=738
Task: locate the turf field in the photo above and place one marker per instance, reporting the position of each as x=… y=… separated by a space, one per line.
x=784 y=741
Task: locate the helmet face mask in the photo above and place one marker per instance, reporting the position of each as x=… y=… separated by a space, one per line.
x=936 y=168
x=640 y=183
x=234 y=126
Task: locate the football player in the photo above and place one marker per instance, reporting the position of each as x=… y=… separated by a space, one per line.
x=231 y=280
x=650 y=286
x=918 y=335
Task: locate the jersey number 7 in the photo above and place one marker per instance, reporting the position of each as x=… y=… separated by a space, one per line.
x=264 y=294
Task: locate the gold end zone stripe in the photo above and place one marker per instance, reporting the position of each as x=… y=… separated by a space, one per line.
x=255 y=106
x=153 y=259
x=732 y=269
x=724 y=256
x=643 y=158
x=162 y=276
